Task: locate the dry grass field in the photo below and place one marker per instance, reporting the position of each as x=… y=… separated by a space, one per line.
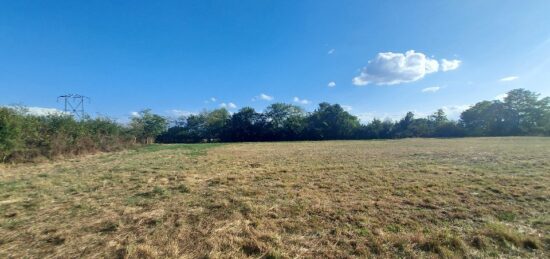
x=474 y=197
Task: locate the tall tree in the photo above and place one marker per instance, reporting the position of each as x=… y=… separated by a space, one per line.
x=439 y=117
x=376 y=129
x=525 y=111
x=247 y=125
x=147 y=125
x=284 y=121
x=195 y=127
x=486 y=118
x=331 y=122
x=401 y=129
x=216 y=123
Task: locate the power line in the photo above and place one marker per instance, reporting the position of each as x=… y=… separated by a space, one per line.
x=74 y=104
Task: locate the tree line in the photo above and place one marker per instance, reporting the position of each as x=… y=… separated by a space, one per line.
x=25 y=137
x=521 y=112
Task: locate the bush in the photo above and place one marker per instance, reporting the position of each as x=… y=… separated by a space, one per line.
x=26 y=137
x=10 y=133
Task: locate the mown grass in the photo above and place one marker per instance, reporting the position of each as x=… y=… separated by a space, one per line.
x=194 y=149
x=476 y=198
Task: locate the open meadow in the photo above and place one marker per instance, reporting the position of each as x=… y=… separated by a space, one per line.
x=472 y=197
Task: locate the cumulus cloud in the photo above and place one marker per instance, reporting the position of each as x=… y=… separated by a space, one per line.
x=366 y=117
x=331 y=51
x=331 y=84
x=38 y=111
x=501 y=97
x=179 y=113
x=448 y=65
x=228 y=105
x=432 y=89
x=211 y=100
x=454 y=111
x=41 y=111
x=134 y=114
x=264 y=97
x=509 y=78
x=300 y=101
x=389 y=68
x=347 y=108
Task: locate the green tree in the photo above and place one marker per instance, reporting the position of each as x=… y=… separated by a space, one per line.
x=521 y=113
x=216 y=123
x=147 y=126
x=486 y=118
x=247 y=125
x=526 y=113
x=332 y=122
x=284 y=121
x=439 y=117
x=401 y=129
x=421 y=127
x=195 y=127
x=377 y=129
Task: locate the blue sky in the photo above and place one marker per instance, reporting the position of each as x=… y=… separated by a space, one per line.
x=175 y=56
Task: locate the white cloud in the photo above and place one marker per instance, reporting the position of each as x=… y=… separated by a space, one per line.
x=331 y=51
x=265 y=97
x=501 y=97
x=229 y=105
x=448 y=65
x=39 y=111
x=300 y=101
x=331 y=84
x=390 y=68
x=211 y=100
x=509 y=78
x=432 y=89
x=454 y=111
x=366 y=117
x=134 y=114
x=179 y=113
x=347 y=108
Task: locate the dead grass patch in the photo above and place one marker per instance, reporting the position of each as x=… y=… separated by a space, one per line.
x=448 y=198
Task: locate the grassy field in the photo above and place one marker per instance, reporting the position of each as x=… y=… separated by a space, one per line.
x=475 y=197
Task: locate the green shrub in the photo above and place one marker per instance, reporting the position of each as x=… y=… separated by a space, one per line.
x=25 y=137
